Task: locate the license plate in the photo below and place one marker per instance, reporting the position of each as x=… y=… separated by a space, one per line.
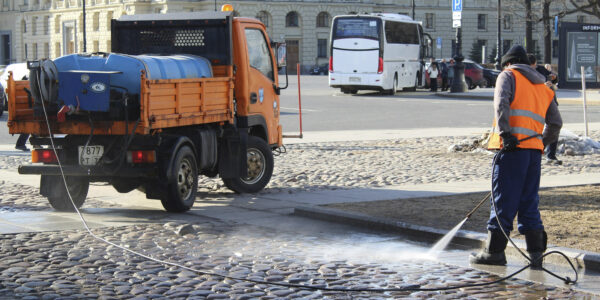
x=354 y=79
x=90 y=155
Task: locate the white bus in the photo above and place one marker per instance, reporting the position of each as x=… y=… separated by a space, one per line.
x=381 y=52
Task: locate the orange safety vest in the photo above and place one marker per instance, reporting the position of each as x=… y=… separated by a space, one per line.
x=527 y=113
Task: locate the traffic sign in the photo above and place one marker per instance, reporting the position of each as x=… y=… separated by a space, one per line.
x=456 y=23
x=456 y=15
x=457 y=5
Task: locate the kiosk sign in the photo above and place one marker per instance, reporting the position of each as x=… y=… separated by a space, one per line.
x=579 y=47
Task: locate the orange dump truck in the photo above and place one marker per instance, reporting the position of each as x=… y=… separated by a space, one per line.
x=181 y=95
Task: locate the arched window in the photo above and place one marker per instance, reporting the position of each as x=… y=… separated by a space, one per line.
x=323 y=19
x=264 y=17
x=292 y=19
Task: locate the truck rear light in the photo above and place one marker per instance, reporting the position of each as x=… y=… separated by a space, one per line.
x=330 y=64
x=43 y=156
x=380 y=67
x=141 y=156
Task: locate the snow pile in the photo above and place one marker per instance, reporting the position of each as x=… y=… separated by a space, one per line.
x=568 y=144
x=572 y=144
x=472 y=145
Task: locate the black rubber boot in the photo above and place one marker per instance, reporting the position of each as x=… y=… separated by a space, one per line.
x=493 y=254
x=536 y=245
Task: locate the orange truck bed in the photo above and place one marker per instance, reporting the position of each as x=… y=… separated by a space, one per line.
x=164 y=103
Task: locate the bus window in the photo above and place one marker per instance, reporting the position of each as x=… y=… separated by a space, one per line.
x=401 y=33
x=367 y=28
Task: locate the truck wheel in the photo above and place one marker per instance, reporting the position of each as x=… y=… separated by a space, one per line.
x=260 y=168
x=53 y=188
x=183 y=185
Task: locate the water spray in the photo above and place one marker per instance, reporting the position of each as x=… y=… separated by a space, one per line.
x=403 y=288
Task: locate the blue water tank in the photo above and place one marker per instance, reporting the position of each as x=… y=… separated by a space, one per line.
x=129 y=67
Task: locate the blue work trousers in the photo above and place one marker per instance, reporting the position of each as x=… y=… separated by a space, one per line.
x=515 y=182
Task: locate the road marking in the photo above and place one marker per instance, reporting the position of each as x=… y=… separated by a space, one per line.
x=304 y=109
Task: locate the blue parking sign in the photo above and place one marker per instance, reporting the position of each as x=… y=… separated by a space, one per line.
x=456 y=5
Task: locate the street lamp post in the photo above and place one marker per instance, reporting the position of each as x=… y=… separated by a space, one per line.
x=413 y=9
x=84 y=29
x=499 y=38
x=458 y=83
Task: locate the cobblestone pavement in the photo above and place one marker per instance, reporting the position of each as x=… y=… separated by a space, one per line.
x=73 y=265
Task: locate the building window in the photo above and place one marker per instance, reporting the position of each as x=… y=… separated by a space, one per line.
x=46 y=25
x=429 y=20
x=96 y=46
x=34 y=25
x=263 y=16
x=481 y=21
x=35 y=51
x=24 y=26
x=108 y=46
x=26 y=2
x=46 y=50
x=322 y=47
x=580 y=19
x=291 y=20
x=506 y=44
x=109 y=17
x=555 y=48
x=508 y=23
x=96 y=21
x=25 y=54
x=57 y=49
x=323 y=19
x=57 y=25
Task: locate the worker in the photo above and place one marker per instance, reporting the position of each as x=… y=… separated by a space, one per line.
x=522 y=104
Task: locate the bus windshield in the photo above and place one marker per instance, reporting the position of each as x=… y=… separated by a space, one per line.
x=366 y=28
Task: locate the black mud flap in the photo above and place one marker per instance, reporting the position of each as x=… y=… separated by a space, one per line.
x=232 y=154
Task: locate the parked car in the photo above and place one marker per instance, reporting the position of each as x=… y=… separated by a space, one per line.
x=474 y=75
x=490 y=76
x=19 y=70
x=322 y=69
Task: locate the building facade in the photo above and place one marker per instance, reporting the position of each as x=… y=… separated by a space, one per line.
x=35 y=29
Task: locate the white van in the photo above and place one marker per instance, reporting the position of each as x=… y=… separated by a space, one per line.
x=381 y=52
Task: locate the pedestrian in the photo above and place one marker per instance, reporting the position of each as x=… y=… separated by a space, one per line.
x=522 y=104
x=551 y=79
x=433 y=74
x=21 y=141
x=451 y=72
x=444 y=71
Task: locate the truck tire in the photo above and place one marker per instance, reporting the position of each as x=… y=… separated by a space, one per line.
x=183 y=184
x=260 y=168
x=53 y=188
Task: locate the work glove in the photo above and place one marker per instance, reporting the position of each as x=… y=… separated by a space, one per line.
x=509 y=141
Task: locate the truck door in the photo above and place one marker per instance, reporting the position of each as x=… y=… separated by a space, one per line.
x=261 y=79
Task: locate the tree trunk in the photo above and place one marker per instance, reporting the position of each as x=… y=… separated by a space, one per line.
x=547 y=32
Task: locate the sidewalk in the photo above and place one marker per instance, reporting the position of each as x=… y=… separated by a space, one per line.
x=564 y=96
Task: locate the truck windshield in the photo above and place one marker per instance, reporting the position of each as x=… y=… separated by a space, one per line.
x=366 y=28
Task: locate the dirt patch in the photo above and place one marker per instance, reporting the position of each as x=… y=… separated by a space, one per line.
x=570 y=214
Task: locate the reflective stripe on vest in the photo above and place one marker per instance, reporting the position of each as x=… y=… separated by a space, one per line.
x=527 y=113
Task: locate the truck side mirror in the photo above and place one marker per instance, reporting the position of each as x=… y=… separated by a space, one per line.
x=281 y=55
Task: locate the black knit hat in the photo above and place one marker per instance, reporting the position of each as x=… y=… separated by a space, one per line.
x=515 y=55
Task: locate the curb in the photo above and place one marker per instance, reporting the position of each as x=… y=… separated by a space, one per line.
x=581 y=259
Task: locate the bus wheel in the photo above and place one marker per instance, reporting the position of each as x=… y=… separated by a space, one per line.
x=260 y=168
x=53 y=187
x=183 y=185
x=394 y=88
